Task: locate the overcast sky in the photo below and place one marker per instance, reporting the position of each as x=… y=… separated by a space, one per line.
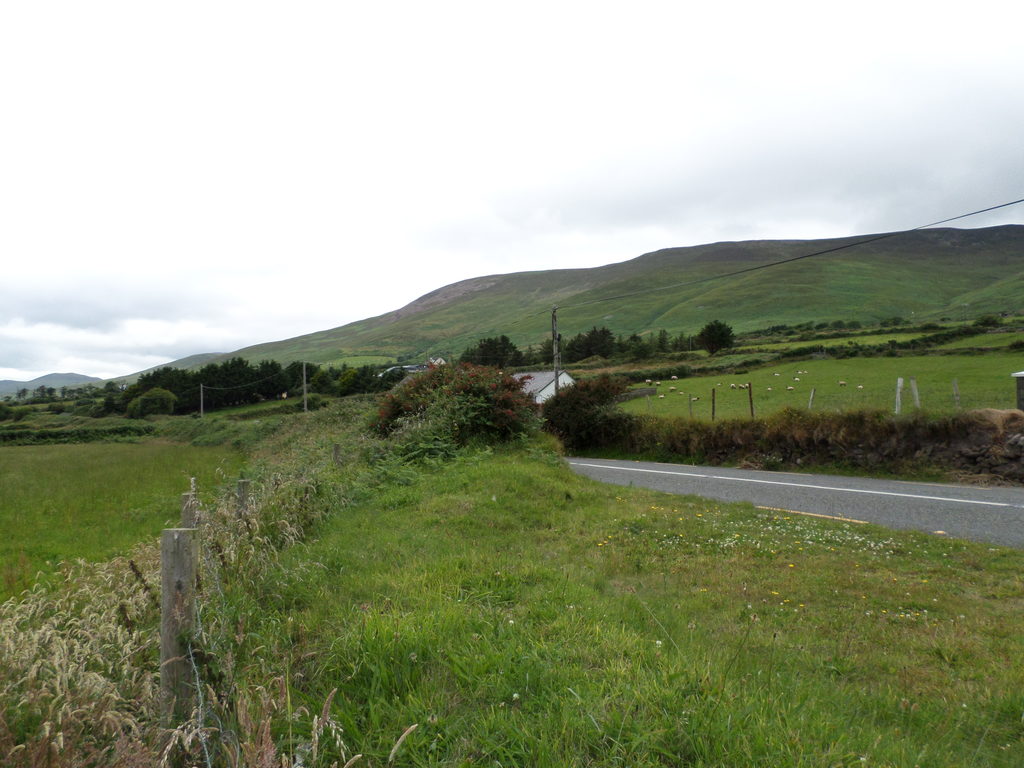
x=190 y=177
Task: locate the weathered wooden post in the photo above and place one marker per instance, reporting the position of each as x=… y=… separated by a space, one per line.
x=189 y=510
x=810 y=400
x=337 y=455
x=750 y=394
x=690 y=399
x=1019 y=376
x=243 y=496
x=177 y=618
x=913 y=391
x=899 y=393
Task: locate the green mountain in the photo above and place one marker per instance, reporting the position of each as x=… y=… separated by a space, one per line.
x=920 y=275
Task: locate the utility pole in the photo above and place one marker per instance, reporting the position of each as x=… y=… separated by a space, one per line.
x=555 y=346
x=305 y=406
x=201 y=401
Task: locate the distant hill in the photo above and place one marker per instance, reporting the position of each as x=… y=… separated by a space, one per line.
x=192 y=361
x=55 y=380
x=921 y=275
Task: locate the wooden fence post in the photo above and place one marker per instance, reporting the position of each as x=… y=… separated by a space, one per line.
x=913 y=391
x=750 y=393
x=189 y=510
x=243 y=496
x=177 y=616
x=689 y=399
x=899 y=393
x=337 y=454
x=810 y=400
x=712 y=403
x=956 y=395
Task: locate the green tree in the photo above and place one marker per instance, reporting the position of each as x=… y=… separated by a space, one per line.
x=498 y=352
x=716 y=336
x=155 y=400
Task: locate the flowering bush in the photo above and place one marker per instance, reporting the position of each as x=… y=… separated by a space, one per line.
x=464 y=401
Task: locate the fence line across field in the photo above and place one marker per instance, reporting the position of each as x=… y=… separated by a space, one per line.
x=717 y=402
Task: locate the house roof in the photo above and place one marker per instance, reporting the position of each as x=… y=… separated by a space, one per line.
x=538 y=380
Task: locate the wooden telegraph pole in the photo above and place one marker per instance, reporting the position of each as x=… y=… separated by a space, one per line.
x=555 y=346
x=305 y=407
x=200 y=401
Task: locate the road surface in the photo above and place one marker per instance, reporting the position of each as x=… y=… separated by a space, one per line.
x=993 y=515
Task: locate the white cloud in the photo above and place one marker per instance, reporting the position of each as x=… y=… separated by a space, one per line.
x=228 y=173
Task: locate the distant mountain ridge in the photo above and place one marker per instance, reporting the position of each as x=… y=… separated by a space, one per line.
x=919 y=275
x=55 y=380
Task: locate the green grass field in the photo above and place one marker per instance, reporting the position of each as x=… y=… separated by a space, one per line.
x=520 y=615
x=868 y=340
x=984 y=381
x=92 y=501
x=987 y=340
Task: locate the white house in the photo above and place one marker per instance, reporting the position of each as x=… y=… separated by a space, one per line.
x=541 y=384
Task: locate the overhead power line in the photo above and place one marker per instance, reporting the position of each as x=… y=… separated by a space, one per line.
x=834 y=249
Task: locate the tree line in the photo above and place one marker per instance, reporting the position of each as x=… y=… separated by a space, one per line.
x=500 y=351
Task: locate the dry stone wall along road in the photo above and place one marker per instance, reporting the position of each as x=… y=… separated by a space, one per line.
x=993 y=515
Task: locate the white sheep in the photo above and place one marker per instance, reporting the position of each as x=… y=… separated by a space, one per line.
x=860 y=386
x=842 y=383
x=661 y=397
x=675 y=378
x=732 y=386
x=769 y=389
x=647 y=381
x=694 y=399
x=790 y=388
x=671 y=389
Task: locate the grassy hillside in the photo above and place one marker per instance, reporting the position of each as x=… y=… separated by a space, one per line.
x=925 y=275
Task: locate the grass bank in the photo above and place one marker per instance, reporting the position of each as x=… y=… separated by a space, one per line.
x=520 y=615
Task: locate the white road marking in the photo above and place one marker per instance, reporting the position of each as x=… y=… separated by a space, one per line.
x=797 y=485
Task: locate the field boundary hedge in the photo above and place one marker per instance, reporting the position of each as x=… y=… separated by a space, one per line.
x=76 y=435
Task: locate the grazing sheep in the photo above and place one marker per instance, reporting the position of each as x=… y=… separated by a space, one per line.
x=790 y=388
x=675 y=378
x=842 y=383
x=732 y=386
x=743 y=386
x=671 y=389
x=647 y=381
x=694 y=399
x=661 y=397
x=657 y=383
x=860 y=386
x=776 y=374
x=796 y=378
x=769 y=389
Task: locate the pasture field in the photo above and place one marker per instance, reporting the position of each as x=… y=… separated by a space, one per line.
x=869 y=340
x=94 y=500
x=984 y=381
x=987 y=340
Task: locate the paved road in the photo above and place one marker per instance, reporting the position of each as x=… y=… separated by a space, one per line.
x=994 y=515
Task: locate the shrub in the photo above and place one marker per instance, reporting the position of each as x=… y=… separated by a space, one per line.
x=465 y=401
x=156 y=400
x=6 y=412
x=585 y=414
